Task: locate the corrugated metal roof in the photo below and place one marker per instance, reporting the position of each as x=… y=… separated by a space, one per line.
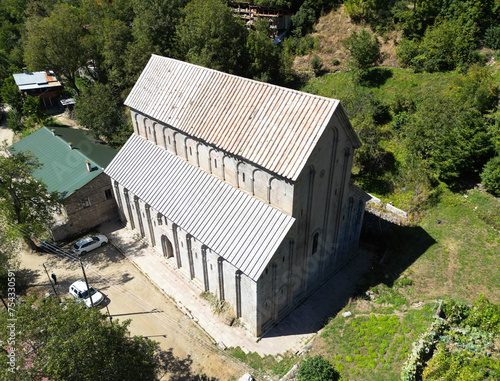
x=243 y=230
x=64 y=169
x=35 y=80
x=274 y=127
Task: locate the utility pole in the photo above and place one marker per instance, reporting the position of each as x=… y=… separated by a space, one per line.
x=50 y=280
x=87 y=283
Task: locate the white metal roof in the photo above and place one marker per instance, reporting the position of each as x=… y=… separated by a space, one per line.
x=243 y=230
x=35 y=80
x=274 y=127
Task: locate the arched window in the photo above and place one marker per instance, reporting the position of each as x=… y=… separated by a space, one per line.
x=315 y=243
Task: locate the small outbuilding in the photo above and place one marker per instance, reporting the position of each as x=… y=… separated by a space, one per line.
x=41 y=84
x=73 y=165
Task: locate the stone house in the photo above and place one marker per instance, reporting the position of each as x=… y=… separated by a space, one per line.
x=73 y=166
x=244 y=187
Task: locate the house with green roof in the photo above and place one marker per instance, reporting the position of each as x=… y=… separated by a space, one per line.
x=73 y=165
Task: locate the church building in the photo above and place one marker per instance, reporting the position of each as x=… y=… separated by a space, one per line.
x=242 y=186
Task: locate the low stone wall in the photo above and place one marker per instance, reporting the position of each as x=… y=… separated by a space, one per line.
x=387 y=212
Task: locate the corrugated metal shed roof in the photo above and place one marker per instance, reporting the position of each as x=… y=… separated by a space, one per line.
x=64 y=169
x=35 y=80
x=274 y=127
x=243 y=230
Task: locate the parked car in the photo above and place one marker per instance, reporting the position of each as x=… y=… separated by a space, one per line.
x=89 y=243
x=79 y=291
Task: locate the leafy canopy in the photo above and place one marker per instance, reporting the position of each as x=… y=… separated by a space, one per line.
x=209 y=35
x=25 y=202
x=317 y=369
x=70 y=342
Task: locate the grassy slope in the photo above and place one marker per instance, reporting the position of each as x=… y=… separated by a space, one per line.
x=459 y=260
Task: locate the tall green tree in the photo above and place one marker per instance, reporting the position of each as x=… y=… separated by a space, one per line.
x=70 y=342
x=363 y=49
x=100 y=110
x=211 y=36
x=450 y=129
x=25 y=203
x=154 y=31
x=264 y=55
x=59 y=42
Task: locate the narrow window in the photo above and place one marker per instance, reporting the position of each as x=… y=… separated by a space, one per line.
x=215 y=163
x=108 y=194
x=243 y=176
x=168 y=139
x=315 y=243
x=190 y=151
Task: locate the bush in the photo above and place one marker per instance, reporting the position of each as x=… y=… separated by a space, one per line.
x=364 y=49
x=446 y=46
x=317 y=369
x=490 y=177
x=492 y=38
x=316 y=64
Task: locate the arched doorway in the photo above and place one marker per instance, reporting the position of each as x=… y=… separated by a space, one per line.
x=166 y=245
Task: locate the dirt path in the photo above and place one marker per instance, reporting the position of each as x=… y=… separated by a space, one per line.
x=188 y=352
x=5 y=133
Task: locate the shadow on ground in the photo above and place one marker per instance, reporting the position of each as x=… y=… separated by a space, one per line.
x=179 y=369
x=386 y=251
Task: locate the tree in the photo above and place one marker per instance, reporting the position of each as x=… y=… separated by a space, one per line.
x=264 y=55
x=209 y=35
x=100 y=110
x=8 y=249
x=364 y=50
x=490 y=177
x=59 y=42
x=70 y=342
x=317 y=369
x=304 y=20
x=154 y=31
x=25 y=202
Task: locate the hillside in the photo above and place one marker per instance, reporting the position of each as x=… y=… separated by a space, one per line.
x=452 y=249
x=331 y=30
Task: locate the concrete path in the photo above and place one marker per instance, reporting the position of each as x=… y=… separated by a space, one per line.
x=293 y=333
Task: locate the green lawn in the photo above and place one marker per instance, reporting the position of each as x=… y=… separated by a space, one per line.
x=454 y=253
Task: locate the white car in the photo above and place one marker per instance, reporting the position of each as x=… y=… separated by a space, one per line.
x=79 y=291
x=90 y=243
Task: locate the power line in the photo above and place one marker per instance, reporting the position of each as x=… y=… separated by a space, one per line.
x=55 y=249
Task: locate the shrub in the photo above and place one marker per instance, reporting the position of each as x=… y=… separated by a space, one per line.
x=316 y=64
x=492 y=38
x=317 y=369
x=364 y=49
x=490 y=177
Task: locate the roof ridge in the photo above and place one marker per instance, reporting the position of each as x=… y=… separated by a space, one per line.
x=273 y=127
x=267 y=84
